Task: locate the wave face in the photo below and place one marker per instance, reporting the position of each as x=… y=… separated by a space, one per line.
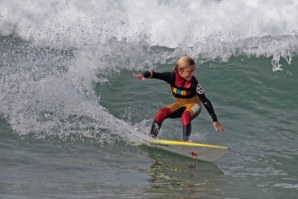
x=55 y=54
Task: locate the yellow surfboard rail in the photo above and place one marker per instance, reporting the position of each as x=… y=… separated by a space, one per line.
x=172 y=142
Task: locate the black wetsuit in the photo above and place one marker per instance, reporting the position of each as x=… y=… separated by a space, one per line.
x=194 y=89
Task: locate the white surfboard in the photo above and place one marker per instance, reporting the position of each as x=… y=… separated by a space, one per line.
x=199 y=151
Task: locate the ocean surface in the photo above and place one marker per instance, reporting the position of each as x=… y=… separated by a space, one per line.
x=70 y=110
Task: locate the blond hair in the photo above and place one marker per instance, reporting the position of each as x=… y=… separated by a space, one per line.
x=183 y=62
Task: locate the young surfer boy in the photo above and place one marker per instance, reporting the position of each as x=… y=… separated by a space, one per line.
x=188 y=94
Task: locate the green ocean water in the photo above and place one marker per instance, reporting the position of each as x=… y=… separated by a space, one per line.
x=71 y=112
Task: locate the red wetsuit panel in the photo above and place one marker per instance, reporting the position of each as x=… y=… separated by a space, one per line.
x=162 y=114
x=185 y=118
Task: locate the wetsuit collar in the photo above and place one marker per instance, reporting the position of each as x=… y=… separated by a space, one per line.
x=180 y=81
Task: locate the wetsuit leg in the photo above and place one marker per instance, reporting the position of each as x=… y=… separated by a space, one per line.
x=191 y=111
x=185 y=119
x=195 y=111
x=155 y=129
x=178 y=113
x=186 y=132
x=160 y=116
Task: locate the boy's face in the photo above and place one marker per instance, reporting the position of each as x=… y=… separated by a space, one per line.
x=187 y=73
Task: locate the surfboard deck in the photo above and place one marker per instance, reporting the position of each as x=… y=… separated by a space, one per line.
x=194 y=150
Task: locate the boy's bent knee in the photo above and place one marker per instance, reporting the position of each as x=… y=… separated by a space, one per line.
x=162 y=114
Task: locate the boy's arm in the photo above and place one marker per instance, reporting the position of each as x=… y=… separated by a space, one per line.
x=166 y=76
x=207 y=103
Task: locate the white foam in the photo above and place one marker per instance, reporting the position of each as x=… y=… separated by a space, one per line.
x=168 y=23
x=48 y=93
x=213 y=29
x=286 y=185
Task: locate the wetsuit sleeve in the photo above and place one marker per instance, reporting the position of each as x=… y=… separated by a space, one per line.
x=206 y=102
x=166 y=76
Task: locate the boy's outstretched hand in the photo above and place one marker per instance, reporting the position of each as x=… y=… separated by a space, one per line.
x=218 y=127
x=139 y=76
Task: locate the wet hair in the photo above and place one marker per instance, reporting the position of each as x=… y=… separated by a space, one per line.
x=184 y=62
